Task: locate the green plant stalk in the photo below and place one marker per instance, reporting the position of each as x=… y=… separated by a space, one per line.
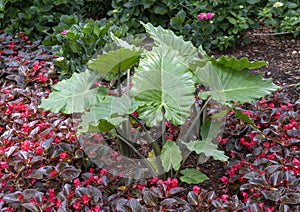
x=119 y=81
x=127 y=93
x=163 y=127
x=125 y=125
x=196 y=118
x=155 y=147
x=128 y=81
x=189 y=131
x=147 y=163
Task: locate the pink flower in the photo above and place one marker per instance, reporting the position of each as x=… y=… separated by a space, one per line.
x=174 y=182
x=53 y=173
x=134 y=113
x=209 y=15
x=196 y=189
x=64 y=32
x=225 y=180
x=153 y=180
x=77 y=182
x=206 y=16
x=245 y=195
x=63 y=155
x=36 y=66
x=225 y=197
x=51 y=195
x=85 y=199
x=76 y=205
x=3 y=165
x=201 y=16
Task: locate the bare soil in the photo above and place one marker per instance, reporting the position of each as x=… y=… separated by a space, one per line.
x=282 y=52
x=283 y=57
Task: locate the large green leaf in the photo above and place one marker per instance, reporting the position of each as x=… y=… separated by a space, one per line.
x=166 y=37
x=171 y=156
x=209 y=131
x=75 y=94
x=2 y=5
x=163 y=83
x=129 y=42
x=99 y=111
x=192 y=176
x=245 y=118
x=111 y=111
x=234 y=63
x=231 y=85
x=121 y=59
x=208 y=148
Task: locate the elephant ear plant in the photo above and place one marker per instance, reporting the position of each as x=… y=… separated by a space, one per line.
x=151 y=92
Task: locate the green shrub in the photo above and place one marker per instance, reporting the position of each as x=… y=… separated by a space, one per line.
x=283 y=15
x=95 y=9
x=229 y=25
x=74 y=42
x=34 y=17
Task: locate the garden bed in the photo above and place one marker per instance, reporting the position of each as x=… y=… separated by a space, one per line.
x=44 y=168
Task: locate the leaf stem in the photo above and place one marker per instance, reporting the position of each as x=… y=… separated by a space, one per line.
x=119 y=80
x=147 y=163
x=195 y=120
x=163 y=127
x=155 y=147
x=185 y=157
x=128 y=81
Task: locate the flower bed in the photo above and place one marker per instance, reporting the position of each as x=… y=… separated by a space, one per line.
x=43 y=166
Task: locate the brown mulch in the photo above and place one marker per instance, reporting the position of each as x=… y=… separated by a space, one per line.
x=283 y=57
x=281 y=53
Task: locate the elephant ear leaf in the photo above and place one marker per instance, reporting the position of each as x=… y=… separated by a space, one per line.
x=209 y=131
x=162 y=82
x=114 y=61
x=227 y=84
x=236 y=64
x=168 y=38
x=74 y=95
x=109 y=112
x=171 y=156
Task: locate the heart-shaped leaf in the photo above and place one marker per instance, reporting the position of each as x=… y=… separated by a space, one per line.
x=192 y=176
x=163 y=82
x=74 y=95
x=231 y=85
x=171 y=156
x=114 y=61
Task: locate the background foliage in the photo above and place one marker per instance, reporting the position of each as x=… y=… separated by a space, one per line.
x=35 y=17
x=232 y=19
x=96 y=9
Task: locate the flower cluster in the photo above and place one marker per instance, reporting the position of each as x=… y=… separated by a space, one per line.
x=278 y=4
x=269 y=163
x=206 y=16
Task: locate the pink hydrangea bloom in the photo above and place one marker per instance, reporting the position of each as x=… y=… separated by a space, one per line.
x=209 y=15
x=202 y=16
x=206 y=16
x=64 y=31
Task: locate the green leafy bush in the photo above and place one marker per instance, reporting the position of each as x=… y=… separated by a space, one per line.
x=283 y=15
x=95 y=9
x=34 y=17
x=162 y=92
x=232 y=19
x=74 y=42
